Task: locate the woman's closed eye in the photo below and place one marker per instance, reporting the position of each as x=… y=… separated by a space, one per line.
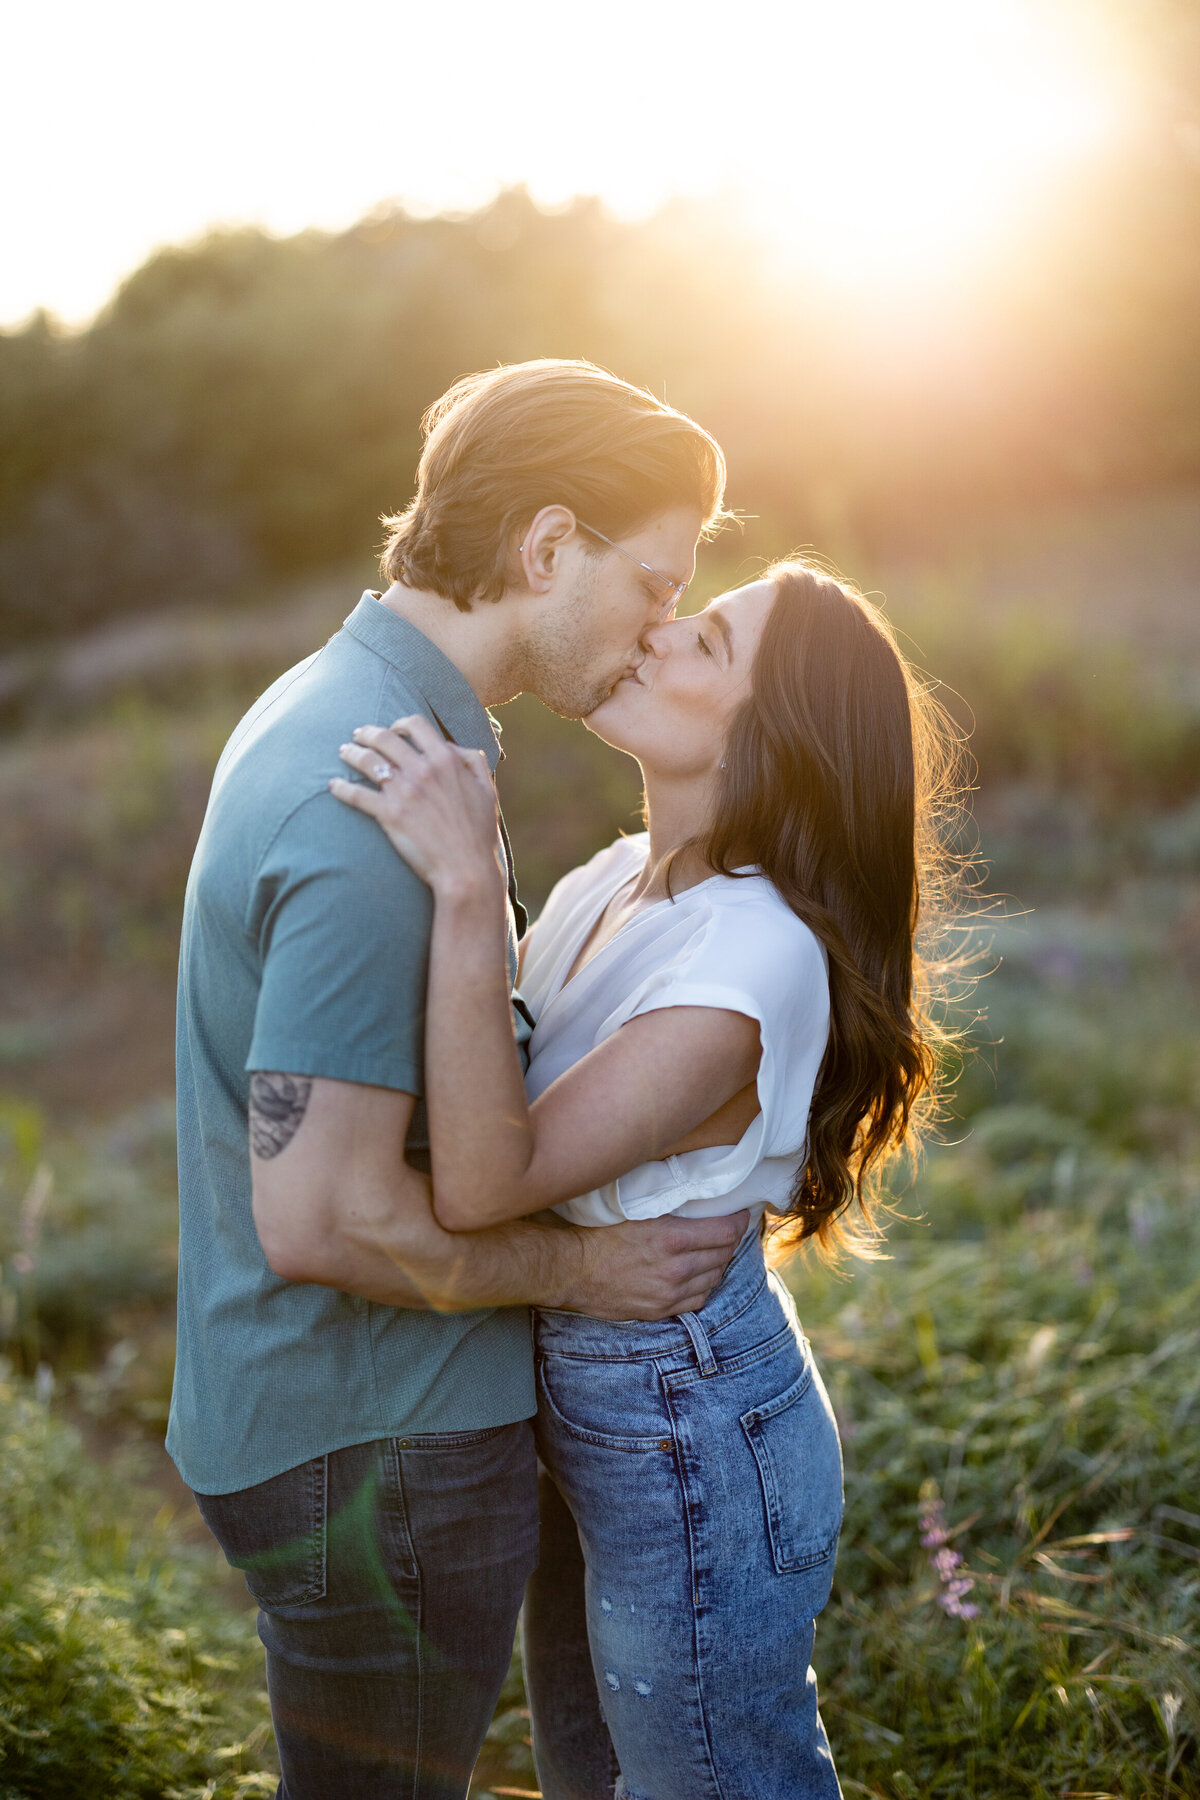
x=704 y=643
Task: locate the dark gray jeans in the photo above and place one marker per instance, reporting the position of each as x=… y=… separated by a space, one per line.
x=389 y=1577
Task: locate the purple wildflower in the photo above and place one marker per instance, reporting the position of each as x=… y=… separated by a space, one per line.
x=932 y=1520
x=946 y=1562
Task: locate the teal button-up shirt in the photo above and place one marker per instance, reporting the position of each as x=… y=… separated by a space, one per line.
x=305 y=945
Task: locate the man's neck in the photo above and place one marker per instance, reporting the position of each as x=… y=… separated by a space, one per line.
x=479 y=643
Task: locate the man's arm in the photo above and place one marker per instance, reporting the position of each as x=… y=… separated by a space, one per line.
x=335 y=1203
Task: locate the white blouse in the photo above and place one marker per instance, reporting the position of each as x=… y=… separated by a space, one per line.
x=728 y=942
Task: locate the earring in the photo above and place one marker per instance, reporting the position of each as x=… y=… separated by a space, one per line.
x=722 y=762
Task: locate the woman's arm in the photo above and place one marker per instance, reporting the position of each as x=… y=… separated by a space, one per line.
x=335 y=1203
x=628 y=1102
x=496 y=1157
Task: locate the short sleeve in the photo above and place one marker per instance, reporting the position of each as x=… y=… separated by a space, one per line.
x=748 y=954
x=342 y=926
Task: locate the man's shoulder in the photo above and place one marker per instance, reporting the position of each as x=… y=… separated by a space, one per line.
x=285 y=748
x=296 y=726
x=270 y=807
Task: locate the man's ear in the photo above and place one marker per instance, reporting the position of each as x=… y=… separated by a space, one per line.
x=540 y=550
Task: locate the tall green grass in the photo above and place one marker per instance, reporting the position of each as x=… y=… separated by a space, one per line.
x=88 y=1227
x=122 y=1674
x=1038 y=1372
x=1043 y=1382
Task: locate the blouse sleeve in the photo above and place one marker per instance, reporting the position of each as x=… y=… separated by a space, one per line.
x=750 y=955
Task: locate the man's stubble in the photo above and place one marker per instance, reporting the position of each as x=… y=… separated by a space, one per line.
x=561 y=660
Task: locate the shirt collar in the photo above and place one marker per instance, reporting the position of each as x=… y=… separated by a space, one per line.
x=450 y=696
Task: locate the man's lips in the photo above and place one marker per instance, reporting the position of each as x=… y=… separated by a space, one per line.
x=628 y=676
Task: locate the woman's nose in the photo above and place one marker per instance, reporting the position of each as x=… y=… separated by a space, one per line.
x=655 y=639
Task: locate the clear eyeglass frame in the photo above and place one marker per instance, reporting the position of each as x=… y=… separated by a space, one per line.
x=676 y=589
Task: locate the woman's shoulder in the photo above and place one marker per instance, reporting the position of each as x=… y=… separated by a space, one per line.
x=625 y=853
x=629 y=850
x=755 y=925
x=750 y=893
x=733 y=942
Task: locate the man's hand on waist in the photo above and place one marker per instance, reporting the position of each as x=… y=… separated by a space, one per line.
x=653 y=1268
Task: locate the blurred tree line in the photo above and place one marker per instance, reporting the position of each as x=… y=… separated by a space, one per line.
x=247 y=406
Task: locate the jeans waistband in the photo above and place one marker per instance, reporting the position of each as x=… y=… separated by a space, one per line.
x=575 y=1334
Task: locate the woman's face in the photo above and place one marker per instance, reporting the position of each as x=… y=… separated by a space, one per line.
x=673 y=712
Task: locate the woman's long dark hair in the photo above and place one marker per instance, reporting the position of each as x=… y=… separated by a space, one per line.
x=837 y=777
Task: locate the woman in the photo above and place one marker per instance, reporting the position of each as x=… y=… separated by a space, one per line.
x=728 y=1017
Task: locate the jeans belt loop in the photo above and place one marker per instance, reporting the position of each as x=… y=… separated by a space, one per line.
x=700 y=1344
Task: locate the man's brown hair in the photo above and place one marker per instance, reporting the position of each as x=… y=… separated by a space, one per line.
x=502 y=444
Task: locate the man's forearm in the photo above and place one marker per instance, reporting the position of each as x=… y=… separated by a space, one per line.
x=646 y=1270
x=339 y=1207
x=401 y=1256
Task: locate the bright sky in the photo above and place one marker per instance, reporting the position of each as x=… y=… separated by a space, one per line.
x=896 y=133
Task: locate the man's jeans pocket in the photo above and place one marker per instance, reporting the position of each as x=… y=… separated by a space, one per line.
x=275 y=1533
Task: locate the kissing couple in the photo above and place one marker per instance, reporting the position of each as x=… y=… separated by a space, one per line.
x=474 y=1311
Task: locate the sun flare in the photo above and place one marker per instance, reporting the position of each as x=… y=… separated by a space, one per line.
x=907 y=140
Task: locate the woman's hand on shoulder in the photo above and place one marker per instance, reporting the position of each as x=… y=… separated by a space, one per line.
x=435 y=801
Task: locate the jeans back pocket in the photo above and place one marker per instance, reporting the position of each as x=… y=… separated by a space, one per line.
x=795 y=1444
x=275 y=1534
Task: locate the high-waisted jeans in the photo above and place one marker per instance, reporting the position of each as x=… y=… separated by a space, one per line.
x=692 y=1500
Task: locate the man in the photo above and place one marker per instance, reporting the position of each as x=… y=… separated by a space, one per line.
x=354 y=1385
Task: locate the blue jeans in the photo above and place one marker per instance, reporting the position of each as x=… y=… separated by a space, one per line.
x=389 y=1577
x=691 y=1509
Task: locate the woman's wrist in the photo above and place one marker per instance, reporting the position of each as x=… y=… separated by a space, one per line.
x=473 y=894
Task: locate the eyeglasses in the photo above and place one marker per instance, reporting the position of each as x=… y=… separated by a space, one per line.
x=677 y=588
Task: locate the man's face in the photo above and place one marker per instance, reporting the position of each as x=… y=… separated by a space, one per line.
x=589 y=635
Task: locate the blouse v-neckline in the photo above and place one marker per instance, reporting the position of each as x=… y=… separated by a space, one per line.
x=594 y=918
x=574 y=967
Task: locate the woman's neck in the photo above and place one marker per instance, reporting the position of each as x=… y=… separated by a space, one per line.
x=677 y=812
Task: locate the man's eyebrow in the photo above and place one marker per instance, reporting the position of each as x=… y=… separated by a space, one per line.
x=722 y=625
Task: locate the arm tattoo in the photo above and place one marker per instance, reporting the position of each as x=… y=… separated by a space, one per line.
x=278 y=1104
